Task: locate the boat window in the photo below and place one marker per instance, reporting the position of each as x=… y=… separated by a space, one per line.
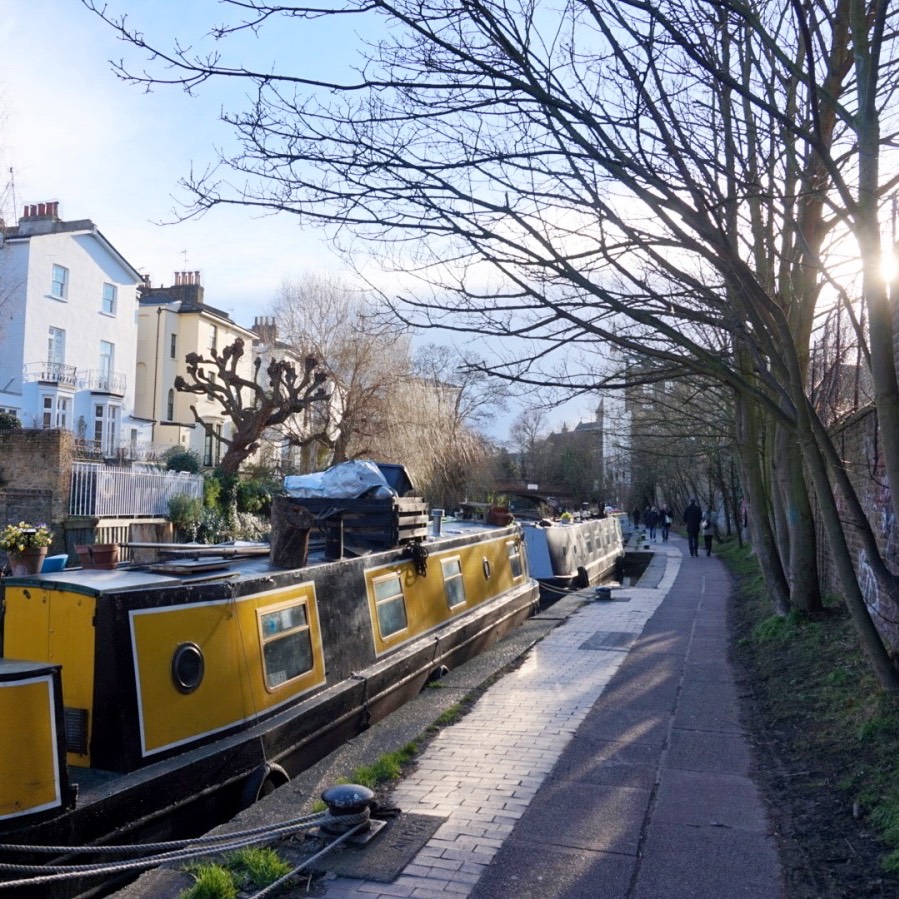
x=452 y=581
x=391 y=605
x=513 y=547
x=286 y=644
x=588 y=538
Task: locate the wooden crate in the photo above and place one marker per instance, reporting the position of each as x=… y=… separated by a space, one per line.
x=374 y=522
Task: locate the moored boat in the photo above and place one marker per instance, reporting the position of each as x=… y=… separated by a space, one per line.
x=157 y=700
x=573 y=554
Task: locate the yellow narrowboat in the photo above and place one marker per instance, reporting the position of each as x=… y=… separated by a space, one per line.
x=147 y=702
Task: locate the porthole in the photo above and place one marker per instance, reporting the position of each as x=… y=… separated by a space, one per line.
x=188 y=667
x=487 y=569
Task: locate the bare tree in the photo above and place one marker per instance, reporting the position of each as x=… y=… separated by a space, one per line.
x=678 y=179
x=252 y=407
x=363 y=356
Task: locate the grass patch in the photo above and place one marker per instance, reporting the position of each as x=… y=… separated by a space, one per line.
x=251 y=868
x=834 y=729
x=388 y=768
x=256 y=866
x=211 y=881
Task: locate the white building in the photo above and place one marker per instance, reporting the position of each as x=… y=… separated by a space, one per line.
x=68 y=330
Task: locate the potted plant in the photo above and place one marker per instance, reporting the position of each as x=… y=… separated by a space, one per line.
x=26 y=546
x=98 y=555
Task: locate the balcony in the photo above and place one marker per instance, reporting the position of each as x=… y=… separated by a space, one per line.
x=101 y=381
x=51 y=373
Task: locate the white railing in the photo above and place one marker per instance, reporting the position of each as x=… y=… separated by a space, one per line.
x=106 y=490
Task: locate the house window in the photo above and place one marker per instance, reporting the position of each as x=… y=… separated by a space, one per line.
x=56 y=353
x=390 y=605
x=286 y=644
x=62 y=412
x=59 y=284
x=109 y=298
x=47 y=412
x=106 y=426
x=213 y=338
x=170 y=406
x=207 y=449
x=107 y=359
x=173 y=346
x=452 y=581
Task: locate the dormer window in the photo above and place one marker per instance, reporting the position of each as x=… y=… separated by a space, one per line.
x=59 y=285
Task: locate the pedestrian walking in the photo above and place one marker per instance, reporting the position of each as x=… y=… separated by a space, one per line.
x=652 y=519
x=708 y=530
x=636 y=515
x=692 y=519
x=665 y=522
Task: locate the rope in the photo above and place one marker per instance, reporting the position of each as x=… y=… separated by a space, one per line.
x=199 y=847
x=418 y=552
x=123 y=848
x=281 y=880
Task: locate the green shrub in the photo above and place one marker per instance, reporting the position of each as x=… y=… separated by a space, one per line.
x=186 y=513
x=183 y=460
x=254 y=496
x=9 y=421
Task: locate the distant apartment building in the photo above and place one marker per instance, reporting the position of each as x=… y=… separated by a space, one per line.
x=173 y=322
x=68 y=336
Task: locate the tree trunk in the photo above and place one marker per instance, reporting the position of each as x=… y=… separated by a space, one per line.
x=805 y=585
x=763 y=538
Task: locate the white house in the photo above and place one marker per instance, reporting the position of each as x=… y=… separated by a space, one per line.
x=68 y=330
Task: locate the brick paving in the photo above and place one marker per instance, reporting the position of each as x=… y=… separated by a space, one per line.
x=565 y=780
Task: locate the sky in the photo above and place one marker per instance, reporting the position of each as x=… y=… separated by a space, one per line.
x=72 y=132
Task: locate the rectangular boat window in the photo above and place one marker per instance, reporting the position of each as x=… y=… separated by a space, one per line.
x=286 y=644
x=391 y=605
x=514 y=550
x=588 y=539
x=452 y=581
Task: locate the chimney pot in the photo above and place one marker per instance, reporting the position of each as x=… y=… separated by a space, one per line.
x=41 y=208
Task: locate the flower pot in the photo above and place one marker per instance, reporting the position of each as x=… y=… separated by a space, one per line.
x=98 y=555
x=29 y=561
x=499 y=515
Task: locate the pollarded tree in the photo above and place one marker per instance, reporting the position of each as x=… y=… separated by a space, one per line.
x=252 y=407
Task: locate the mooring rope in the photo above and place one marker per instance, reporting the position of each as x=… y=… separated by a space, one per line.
x=191 y=849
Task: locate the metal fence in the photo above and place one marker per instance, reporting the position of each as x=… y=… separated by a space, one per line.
x=107 y=490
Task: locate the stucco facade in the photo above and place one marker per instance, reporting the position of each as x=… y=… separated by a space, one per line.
x=68 y=336
x=173 y=322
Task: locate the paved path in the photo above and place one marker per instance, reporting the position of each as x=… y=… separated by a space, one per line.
x=610 y=764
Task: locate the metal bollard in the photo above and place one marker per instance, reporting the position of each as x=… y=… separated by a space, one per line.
x=346 y=800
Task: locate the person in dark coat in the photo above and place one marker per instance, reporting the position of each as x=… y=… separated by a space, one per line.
x=692 y=518
x=651 y=517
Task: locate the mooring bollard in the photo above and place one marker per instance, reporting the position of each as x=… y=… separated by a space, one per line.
x=346 y=801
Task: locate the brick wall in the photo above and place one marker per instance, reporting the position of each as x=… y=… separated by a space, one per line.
x=35 y=473
x=858 y=443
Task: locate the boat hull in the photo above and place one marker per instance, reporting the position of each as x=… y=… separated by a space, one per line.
x=141 y=775
x=575 y=555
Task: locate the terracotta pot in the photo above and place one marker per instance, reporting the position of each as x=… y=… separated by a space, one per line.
x=28 y=561
x=499 y=515
x=98 y=555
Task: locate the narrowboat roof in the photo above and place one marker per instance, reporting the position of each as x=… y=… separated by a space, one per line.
x=219 y=563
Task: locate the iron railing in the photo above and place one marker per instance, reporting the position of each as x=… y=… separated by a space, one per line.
x=50 y=373
x=108 y=490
